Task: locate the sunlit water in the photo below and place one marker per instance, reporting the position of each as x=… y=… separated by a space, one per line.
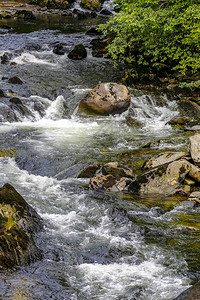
x=96 y=245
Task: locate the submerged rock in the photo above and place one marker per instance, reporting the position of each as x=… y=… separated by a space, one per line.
x=106 y=98
x=193 y=293
x=18 y=223
x=59 y=49
x=79 y=52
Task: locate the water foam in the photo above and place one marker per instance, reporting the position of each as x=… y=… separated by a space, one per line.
x=27 y=58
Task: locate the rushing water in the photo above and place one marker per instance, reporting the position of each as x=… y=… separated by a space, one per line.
x=96 y=245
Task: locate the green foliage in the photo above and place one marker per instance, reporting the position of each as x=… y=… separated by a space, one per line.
x=60 y=4
x=154 y=33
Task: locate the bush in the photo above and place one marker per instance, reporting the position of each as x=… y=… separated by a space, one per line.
x=156 y=33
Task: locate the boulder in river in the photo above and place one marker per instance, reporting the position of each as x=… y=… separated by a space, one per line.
x=79 y=52
x=178 y=120
x=105 y=99
x=195 y=148
x=189 y=109
x=18 y=223
x=193 y=293
x=6 y=57
x=59 y=49
x=162 y=159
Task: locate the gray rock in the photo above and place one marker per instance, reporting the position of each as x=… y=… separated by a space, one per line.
x=113 y=168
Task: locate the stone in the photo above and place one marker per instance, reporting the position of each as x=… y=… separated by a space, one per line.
x=79 y=52
x=2 y=95
x=112 y=168
x=59 y=49
x=178 y=120
x=105 y=12
x=189 y=109
x=108 y=182
x=18 y=223
x=192 y=128
x=101 y=182
x=194 y=148
x=162 y=159
x=164 y=179
x=24 y=14
x=90 y=171
x=105 y=99
x=195 y=196
x=15 y=80
x=193 y=293
x=93 y=31
x=99 y=46
x=6 y=57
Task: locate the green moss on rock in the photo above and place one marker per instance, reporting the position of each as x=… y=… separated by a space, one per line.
x=91 y=4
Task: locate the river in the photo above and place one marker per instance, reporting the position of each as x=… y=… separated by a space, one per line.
x=96 y=245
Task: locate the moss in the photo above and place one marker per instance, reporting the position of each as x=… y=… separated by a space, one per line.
x=7 y=152
x=91 y=4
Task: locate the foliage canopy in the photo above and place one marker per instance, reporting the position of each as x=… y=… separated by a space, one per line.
x=156 y=32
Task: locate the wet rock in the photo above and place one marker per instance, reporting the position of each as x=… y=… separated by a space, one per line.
x=105 y=12
x=91 y=4
x=15 y=80
x=80 y=14
x=108 y=182
x=192 y=128
x=195 y=196
x=99 y=46
x=6 y=57
x=162 y=159
x=59 y=49
x=189 y=109
x=18 y=223
x=33 y=47
x=113 y=168
x=79 y=52
x=90 y=171
x=24 y=14
x=7 y=114
x=100 y=182
x=2 y=95
x=194 y=148
x=15 y=100
x=106 y=98
x=93 y=31
x=193 y=293
x=178 y=120
x=164 y=179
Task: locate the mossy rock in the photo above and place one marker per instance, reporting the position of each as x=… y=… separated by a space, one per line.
x=18 y=222
x=79 y=52
x=57 y=4
x=24 y=14
x=7 y=152
x=91 y=4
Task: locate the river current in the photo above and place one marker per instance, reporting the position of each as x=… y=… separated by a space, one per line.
x=96 y=245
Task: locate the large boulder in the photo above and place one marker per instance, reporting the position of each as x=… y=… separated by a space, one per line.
x=193 y=293
x=106 y=98
x=164 y=179
x=18 y=223
x=195 y=148
x=90 y=171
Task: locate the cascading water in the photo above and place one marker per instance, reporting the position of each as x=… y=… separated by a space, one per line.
x=95 y=245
